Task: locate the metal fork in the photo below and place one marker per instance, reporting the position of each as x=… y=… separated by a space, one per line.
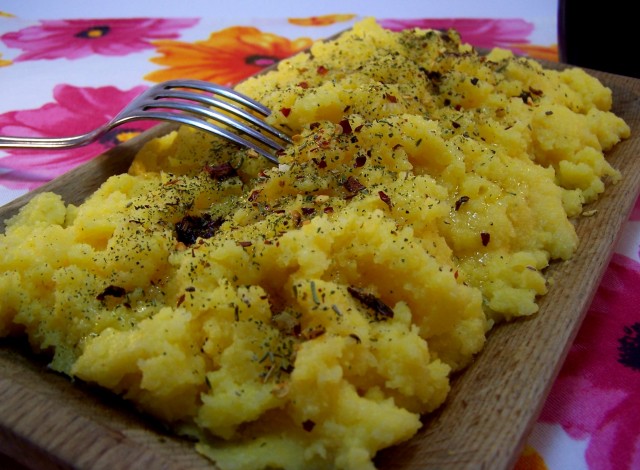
x=192 y=102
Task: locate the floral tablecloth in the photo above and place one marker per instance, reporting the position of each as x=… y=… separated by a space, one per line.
x=67 y=76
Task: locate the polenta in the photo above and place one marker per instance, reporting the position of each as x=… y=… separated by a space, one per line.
x=306 y=315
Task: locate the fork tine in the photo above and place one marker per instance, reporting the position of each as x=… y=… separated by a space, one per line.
x=225 y=105
x=203 y=125
x=161 y=96
x=216 y=116
x=219 y=90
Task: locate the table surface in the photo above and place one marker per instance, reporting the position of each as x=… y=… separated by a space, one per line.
x=56 y=75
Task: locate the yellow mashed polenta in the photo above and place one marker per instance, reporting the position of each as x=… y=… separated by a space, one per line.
x=306 y=315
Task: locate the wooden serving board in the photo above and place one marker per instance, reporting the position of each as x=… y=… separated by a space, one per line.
x=48 y=422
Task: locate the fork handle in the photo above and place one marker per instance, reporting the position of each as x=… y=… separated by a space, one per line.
x=47 y=142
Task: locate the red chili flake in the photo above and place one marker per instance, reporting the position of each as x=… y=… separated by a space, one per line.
x=461 y=201
x=308 y=210
x=328 y=210
x=535 y=91
x=353 y=185
x=486 y=237
x=359 y=128
x=369 y=300
x=314 y=125
x=303 y=85
x=308 y=425
x=288 y=368
x=360 y=161
x=315 y=332
x=320 y=163
x=244 y=244
x=526 y=97
x=432 y=75
x=322 y=70
x=285 y=111
x=112 y=291
x=390 y=98
x=385 y=198
x=455 y=275
x=254 y=195
x=220 y=172
x=297 y=217
x=192 y=227
x=180 y=300
x=346 y=126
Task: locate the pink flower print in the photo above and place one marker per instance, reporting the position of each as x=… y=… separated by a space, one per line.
x=479 y=32
x=597 y=394
x=75 y=111
x=73 y=39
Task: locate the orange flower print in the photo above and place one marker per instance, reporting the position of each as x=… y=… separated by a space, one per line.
x=549 y=53
x=324 y=20
x=227 y=57
x=530 y=459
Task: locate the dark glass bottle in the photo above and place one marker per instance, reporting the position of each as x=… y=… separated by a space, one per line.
x=602 y=35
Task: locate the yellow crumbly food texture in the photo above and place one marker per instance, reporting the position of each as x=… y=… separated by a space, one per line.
x=306 y=315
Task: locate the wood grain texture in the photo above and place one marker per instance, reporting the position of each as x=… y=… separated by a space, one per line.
x=48 y=422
